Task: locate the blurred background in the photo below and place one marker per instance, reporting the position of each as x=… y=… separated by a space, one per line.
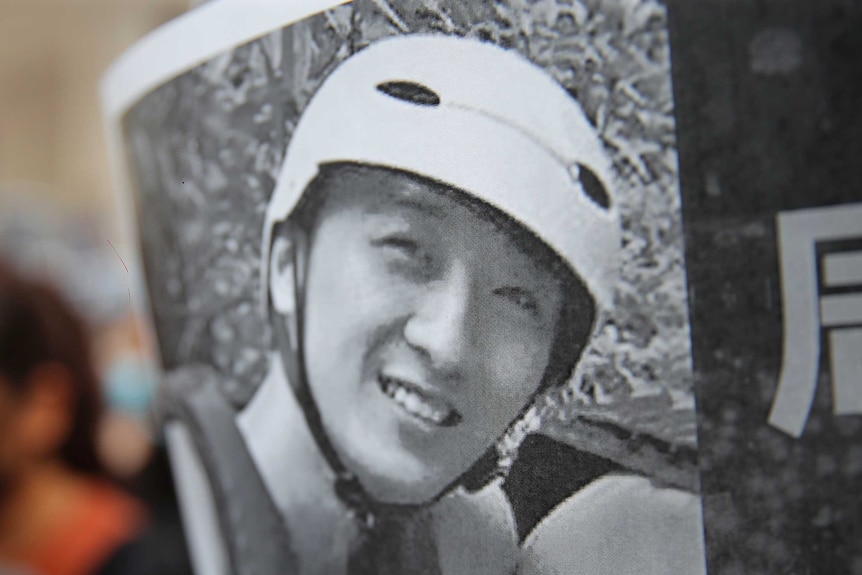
x=57 y=209
x=59 y=225
x=52 y=55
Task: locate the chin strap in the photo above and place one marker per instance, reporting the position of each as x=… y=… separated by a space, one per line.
x=347 y=486
x=290 y=343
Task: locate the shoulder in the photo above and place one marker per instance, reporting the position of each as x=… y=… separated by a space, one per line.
x=102 y=520
x=619 y=524
x=231 y=518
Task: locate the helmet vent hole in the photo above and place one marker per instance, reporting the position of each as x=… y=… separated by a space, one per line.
x=410 y=92
x=593 y=187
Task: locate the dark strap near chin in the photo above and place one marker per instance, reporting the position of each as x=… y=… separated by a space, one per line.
x=546 y=473
x=256 y=538
x=399 y=544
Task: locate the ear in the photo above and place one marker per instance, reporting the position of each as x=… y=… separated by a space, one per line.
x=287 y=276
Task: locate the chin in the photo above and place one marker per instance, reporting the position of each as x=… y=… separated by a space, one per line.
x=399 y=490
x=398 y=479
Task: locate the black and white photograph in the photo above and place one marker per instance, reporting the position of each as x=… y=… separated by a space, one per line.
x=417 y=277
x=440 y=287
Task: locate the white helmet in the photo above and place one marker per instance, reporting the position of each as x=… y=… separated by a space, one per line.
x=476 y=117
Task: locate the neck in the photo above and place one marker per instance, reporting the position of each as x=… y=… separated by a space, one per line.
x=298 y=477
x=39 y=499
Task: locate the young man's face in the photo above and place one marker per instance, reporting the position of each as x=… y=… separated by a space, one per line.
x=426 y=332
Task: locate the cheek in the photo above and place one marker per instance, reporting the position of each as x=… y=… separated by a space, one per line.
x=332 y=315
x=515 y=353
x=513 y=373
x=348 y=305
x=517 y=363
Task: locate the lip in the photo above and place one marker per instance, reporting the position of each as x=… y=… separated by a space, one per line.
x=417 y=402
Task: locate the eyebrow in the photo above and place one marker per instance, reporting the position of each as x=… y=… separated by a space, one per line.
x=424 y=207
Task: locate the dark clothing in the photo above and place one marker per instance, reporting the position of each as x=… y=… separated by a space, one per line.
x=546 y=473
x=161 y=546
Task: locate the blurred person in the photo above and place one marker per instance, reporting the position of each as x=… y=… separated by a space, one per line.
x=60 y=513
x=72 y=253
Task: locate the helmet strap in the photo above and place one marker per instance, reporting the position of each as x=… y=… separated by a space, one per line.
x=288 y=265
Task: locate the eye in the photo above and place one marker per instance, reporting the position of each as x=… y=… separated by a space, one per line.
x=403 y=244
x=520 y=297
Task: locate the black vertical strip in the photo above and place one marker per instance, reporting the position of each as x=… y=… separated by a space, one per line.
x=767 y=99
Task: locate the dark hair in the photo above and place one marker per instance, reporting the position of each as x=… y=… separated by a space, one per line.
x=578 y=314
x=38 y=326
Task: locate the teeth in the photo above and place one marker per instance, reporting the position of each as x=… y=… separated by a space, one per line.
x=414 y=403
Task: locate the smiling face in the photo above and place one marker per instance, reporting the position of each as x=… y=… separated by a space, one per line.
x=426 y=330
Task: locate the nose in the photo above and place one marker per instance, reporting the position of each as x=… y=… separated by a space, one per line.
x=439 y=325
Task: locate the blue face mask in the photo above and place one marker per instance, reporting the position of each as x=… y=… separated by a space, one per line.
x=130 y=386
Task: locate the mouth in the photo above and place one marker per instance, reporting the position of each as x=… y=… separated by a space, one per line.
x=417 y=403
